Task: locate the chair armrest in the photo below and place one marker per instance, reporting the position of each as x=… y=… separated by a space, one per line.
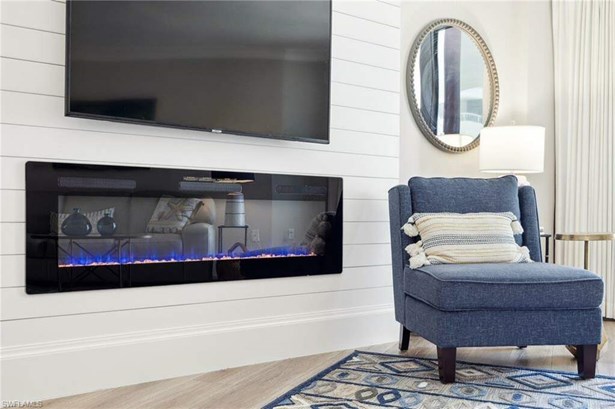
x=199 y=240
x=400 y=209
x=529 y=220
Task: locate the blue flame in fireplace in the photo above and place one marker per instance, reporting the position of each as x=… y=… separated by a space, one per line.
x=85 y=259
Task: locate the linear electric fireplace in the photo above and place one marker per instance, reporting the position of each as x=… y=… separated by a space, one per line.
x=96 y=227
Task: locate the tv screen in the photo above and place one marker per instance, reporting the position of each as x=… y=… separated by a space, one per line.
x=257 y=68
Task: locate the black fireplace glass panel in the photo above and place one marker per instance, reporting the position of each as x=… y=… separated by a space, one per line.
x=96 y=227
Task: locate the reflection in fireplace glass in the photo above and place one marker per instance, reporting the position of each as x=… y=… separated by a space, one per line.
x=96 y=227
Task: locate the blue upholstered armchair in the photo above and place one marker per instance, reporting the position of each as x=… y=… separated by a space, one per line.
x=472 y=305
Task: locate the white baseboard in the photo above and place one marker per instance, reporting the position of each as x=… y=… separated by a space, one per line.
x=44 y=371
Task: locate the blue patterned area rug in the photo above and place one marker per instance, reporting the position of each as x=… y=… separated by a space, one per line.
x=365 y=380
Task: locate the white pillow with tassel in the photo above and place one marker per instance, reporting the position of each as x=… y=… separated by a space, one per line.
x=457 y=238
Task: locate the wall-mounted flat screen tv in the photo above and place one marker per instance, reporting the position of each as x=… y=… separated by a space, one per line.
x=259 y=68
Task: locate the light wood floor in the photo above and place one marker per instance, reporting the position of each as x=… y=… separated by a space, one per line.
x=256 y=385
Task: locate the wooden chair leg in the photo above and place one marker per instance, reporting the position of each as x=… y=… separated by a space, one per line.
x=586 y=360
x=404 y=338
x=446 y=364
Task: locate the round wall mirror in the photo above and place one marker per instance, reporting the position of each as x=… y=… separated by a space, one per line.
x=452 y=84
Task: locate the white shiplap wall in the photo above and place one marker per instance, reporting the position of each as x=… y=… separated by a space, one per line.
x=61 y=344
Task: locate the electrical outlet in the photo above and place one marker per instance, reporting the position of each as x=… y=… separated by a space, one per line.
x=255 y=235
x=291 y=234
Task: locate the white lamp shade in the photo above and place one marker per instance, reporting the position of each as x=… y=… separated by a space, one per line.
x=512 y=149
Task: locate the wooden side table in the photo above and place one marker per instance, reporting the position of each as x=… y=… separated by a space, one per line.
x=586 y=238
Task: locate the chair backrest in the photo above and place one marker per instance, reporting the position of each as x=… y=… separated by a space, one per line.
x=459 y=195
x=467 y=195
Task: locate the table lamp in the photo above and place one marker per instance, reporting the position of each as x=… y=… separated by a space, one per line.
x=512 y=150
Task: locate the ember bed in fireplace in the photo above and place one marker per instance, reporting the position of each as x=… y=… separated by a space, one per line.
x=96 y=227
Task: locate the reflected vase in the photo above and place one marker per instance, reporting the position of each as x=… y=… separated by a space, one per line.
x=106 y=225
x=76 y=224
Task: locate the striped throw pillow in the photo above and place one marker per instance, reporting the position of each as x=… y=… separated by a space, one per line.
x=454 y=238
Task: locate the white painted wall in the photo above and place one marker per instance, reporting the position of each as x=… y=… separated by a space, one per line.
x=519 y=36
x=62 y=344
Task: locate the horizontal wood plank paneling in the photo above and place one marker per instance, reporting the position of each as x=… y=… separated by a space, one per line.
x=195 y=153
x=12 y=173
x=359 y=51
x=32 y=45
x=348 y=141
x=369 y=10
x=364 y=98
x=36 y=14
x=349 y=72
x=369 y=31
x=367 y=255
x=366 y=210
x=12 y=271
x=74 y=370
x=396 y=3
x=13 y=208
x=12 y=238
x=342 y=140
x=32 y=77
x=366 y=233
x=125 y=328
x=364 y=121
x=16 y=304
x=353 y=288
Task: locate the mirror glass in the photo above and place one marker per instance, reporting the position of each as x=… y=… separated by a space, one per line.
x=453 y=90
